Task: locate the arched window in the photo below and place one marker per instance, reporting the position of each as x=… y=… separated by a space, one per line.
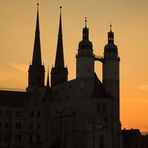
x=101 y=142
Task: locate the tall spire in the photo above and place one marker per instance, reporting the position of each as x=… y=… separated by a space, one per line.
x=37 y=46
x=59 y=73
x=36 y=69
x=59 y=61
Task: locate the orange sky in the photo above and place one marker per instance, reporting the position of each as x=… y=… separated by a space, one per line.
x=130 y=24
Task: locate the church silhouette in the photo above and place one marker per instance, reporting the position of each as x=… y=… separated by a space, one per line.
x=83 y=112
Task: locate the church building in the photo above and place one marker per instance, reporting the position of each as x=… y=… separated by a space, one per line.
x=83 y=112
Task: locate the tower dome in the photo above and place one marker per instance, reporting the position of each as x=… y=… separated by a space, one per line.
x=111 y=47
x=85 y=43
x=85 y=56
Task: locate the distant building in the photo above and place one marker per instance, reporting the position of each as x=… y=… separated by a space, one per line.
x=83 y=112
x=134 y=139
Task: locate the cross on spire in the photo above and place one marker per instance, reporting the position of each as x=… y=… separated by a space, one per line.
x=85 y=21
x=110 y=27
x=110 y=35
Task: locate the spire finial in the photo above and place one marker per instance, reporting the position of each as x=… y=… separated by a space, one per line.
x=60 y=9
x=37 y=6
x=110 y=35
x=85 y=31
x=85 y=21
x=110 y=27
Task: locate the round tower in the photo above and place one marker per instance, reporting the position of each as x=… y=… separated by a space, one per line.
x=111 y=67
x=111 y=82
x=85 y=56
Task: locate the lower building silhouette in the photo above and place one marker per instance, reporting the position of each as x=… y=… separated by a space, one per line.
x=132 y=138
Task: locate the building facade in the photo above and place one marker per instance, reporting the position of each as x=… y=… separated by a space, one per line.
x=83 y=112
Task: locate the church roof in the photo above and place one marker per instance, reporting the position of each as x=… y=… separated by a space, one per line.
x=13 y=98
x=99 y=90
x=71 y=87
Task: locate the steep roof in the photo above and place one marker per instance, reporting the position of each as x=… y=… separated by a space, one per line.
x=99 y=90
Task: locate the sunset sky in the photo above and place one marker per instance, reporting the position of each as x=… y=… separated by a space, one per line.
x=130 y=24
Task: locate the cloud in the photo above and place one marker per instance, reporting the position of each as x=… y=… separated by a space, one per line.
x=20 y=67
x=143 y=87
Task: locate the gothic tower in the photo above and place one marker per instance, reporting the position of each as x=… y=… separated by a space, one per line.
x=59 y=73
x=85 y=56
x=111 y=83
x=36 y=69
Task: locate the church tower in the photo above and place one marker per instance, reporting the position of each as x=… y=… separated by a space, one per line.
x=36 y=69
x=111 y=82
x=59 y=73
x=85 y=56
x=111 y=67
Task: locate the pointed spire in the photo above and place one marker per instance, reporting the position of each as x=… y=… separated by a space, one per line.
x=110 y=35
x=59 y=73
x=37 y=46
x=59 y=61
x=36 y=69
x=48 y=78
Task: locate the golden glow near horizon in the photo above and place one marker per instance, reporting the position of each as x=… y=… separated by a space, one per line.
x=130 y=24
